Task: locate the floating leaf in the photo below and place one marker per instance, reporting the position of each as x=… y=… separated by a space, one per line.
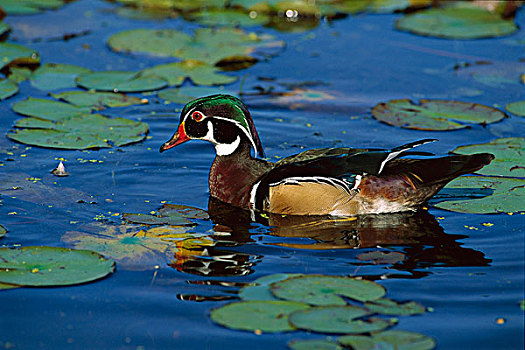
x=228 y=17
x=182 y=211
x=4 y=28
x=200 y=73
x=265 y=316
x=379 y=257
x=390 y=307
x=19 y=74
x=259 y=289
x=169 y=214
x=120 y=81
x=435 y=114
x=186 y=94
x=49 y=110
x=390 y=6
x=395 y=340
x=14 y=54
x=207 y=45
x=337 y=319
x=326 y=290
x=314 y=344
x=51 y=266
x=147 y=219
x=509 y=153
x=3 y=231
x=462 y=21
x=54 y=76
x=98 y=100
x=8 y=88
x=508 y=195
x=517 y=108
x=8 y=286
x=29 y=7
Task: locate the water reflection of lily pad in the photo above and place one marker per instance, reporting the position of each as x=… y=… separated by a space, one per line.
x=509 y=153
x=390 y=307
x=393 y=339
x=8 y=88
x=185 y=94
x=199 y=73
x=259 y=289
x=54 y=76
x=508 y=195
x=462 y=21
x=338 y=319
x=314 y=344
x=98 y=100
x=439 y=115
x=120 y=81
x=379 y=257
x=326 y=290
x=517 y=108
x=207 y=45
x=29 y=7
x=15 y=54
x=264 y=316
x=51 y=266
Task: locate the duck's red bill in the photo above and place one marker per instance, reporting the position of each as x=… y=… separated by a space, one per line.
x=177 y=138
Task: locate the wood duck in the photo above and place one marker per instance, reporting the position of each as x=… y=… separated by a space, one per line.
x=323 y=181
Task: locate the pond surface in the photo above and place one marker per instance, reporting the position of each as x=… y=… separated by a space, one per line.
x=468 y=268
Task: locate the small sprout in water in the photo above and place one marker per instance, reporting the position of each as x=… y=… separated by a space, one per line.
x=60 y=170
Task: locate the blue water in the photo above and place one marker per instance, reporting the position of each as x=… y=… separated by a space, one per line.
x=470 y=275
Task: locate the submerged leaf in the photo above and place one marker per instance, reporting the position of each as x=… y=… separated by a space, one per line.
x=326 y=290
x=435 y=114
x=390 y=307
x=3 y=231
x=517 y=108
x=120 y=81
x=394 y=339
x=199 y=73
x=54 y=76
x=51 y=266
x=461 y=21
x=265 y=316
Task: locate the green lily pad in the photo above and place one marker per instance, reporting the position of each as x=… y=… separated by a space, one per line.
x=51 y=266
x=19 y=74
x=15 y=54
x=462 y=21
x=8 y=88
x=337 y=319
x=207 y=45
x=98 y=100
x=186 y=94
x=4 y=28
x=314 y=344
x=54 y=76
x=29 y=7
x=182 y=211
x=390 y=307
x=509 y=153
x=508 y=195
x=199 y=73
x=439 y=115
x=3 y=231
x=259 y=289
x=517 y=108
x=146 y=219
x=229 y=17
x=49 y=110
x=120 y=81
x=265 y=316
x=394 y=340
x=8 y=286
x=390 y=6
x=326 y=290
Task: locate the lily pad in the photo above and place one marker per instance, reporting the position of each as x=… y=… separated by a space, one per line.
x=53 y=76
x=29 y=7
x=379 y=257
x=460 y=21
x=517 y=108
x=19 y=74
x=120 y=81
x=207 y=45
x=509 y=153
x=51 y=266
x=265 y=316
x=229 y=17
x=186 y=94
x=8 y=88
x=169 y=214
x=337 y=319
x=199 y=73
x=15 y=54
x=259 y=289
x=390 y=307
x=98 y=100
x=49 y=110
x=439 y=115
x=326 y=290
x=3 y=231
x=508 y=195
x=394 y=340
x=314 y=344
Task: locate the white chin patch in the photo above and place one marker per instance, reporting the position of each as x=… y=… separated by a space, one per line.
x=225 y=149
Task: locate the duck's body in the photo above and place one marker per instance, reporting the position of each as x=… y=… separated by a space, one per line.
x=330 y=181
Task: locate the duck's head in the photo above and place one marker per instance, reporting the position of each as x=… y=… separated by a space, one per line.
x=222 y=120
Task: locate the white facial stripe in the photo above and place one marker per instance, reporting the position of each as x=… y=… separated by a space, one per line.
x=225 y=149
x=246 y=132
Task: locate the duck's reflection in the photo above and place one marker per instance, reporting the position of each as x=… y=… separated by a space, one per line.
x=417 y=235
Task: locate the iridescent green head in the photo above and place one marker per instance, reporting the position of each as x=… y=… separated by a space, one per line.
x=222 y=120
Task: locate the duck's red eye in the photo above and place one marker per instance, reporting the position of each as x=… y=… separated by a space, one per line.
x=197 y=116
